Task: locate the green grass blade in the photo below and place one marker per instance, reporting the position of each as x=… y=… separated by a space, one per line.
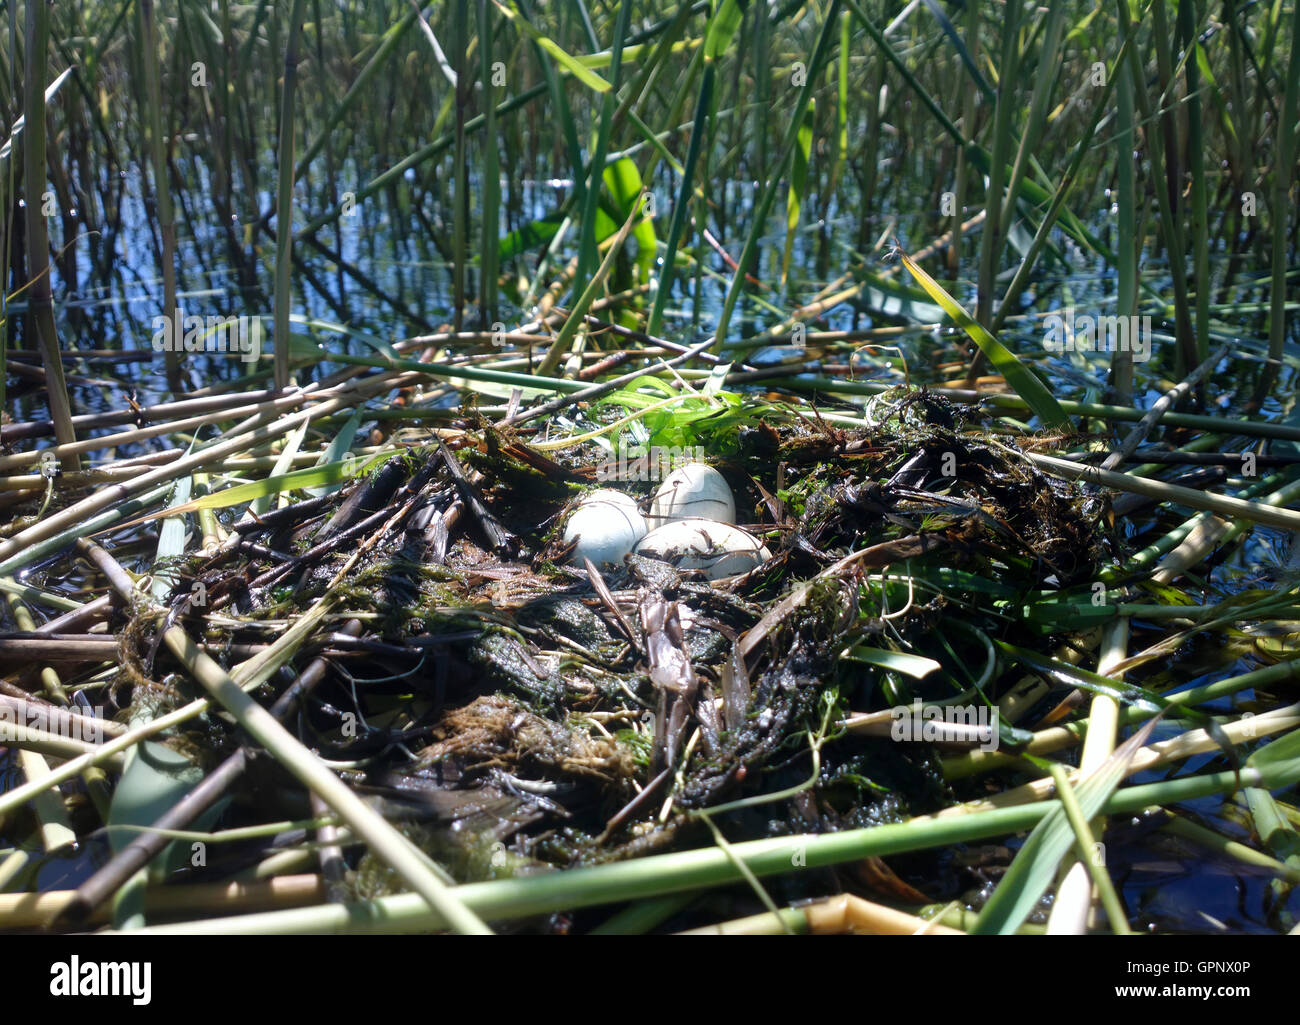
x=1023 y=381
x=489 y=248
x=821 y=53
x=311 y=476
x=16 y=132
x=575 y=319
x=337 y=452
x=681 y=209
x=1035 y=865
x=566 y=62
x=798 y=183
x=916 y=666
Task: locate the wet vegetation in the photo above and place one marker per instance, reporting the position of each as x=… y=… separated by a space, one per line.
x=321 y=321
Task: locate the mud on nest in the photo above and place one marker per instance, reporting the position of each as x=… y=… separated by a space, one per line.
x=485 y=665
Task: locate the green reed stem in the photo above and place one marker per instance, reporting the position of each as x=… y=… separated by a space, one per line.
x=40 y=301
x=284 y=201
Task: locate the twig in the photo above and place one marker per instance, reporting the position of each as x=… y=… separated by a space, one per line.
x=1138 y=434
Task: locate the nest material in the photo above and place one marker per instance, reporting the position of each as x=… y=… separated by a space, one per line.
x=495 y=732
x=487 y=654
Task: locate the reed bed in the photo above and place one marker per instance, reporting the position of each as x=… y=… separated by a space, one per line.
x=317 y=319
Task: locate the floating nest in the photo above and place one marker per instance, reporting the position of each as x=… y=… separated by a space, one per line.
x=514 y=712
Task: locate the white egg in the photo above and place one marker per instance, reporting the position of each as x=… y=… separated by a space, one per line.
x=719 y=549
x=695 y=489
x=607 y=525
x=607 y=496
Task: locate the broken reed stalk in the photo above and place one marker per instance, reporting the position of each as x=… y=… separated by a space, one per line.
x=656 y=875
x=1073 y=902
x=844 y=913
x=384 y=840
x=1256 y=512
x=1274 y=489
x=41 y=301
x=1090 y=867
x=1009 y=402
x=137 y=434
x=1056 y=737
x=34 y=910
x=30 y=738
x=162 y=411
x=50 y=682
x=1158 y=409
x=144 y=848
x=256 y=429
x=250 y=674
x=1176 y=749
x=54 y=718
x=51 y=815
x=100 y=755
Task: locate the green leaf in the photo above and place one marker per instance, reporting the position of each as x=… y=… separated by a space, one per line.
x=171 y=540
x=798 y=182
x=722 y=27
x=916 y=666
x=624 y=183
x=1035 y=865
x=282 y=464
x=50 y=92
x=531 y=235
x=1023 y=380
x=370 y=341
x=566 y=62
x=893 y=298
x=717 y=379
x=1073 y=676
x=338 y=450
x=493 y=390
x=154 y=780
x=1277 y=752
x=312 y=476
x=1121 y=691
